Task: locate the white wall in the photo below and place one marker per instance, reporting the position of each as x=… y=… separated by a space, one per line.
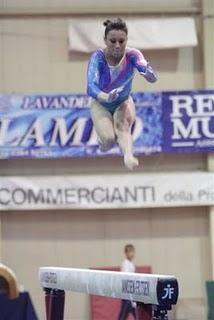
x=85 y=6
x=34 y=59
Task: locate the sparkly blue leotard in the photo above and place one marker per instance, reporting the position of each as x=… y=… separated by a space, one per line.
x=102 y=77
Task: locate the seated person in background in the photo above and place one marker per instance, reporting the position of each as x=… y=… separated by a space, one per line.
x=127 y=306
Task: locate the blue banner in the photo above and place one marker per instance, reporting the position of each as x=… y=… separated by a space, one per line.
x=60 y=126
x=188 y=121
x=50 y=126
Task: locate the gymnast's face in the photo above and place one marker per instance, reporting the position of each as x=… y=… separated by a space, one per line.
x=116 y=41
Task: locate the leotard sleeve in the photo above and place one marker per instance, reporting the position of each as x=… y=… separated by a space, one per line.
x=142 y=65
x=93 y=75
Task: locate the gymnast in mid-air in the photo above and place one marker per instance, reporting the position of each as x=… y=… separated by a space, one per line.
x=109 y=81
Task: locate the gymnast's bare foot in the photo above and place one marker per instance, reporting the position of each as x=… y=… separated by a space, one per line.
x=130 y=161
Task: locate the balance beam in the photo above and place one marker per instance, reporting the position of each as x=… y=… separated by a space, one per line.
x=159 y=291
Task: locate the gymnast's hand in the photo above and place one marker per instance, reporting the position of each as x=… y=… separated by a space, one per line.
x=111 y=96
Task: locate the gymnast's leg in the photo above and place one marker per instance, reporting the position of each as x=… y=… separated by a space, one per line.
x=103 y=123
x=124 y=117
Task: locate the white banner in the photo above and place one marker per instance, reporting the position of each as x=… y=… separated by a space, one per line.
x=147 y=33
x=110 y=191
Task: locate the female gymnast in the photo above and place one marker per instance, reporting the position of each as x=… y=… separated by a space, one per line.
x=109 y=77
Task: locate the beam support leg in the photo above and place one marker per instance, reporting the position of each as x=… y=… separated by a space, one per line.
x=55 y=303
x=143 y=311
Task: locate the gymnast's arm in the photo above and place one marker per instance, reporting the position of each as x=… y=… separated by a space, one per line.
x=143 y=66
x=93 y=76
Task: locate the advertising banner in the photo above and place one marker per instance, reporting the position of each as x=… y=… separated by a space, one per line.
x=188 y=121
x=112 y=191
x=54 y=126
x=60 y=126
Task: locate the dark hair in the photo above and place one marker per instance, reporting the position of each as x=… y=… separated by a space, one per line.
x=129 y=247
x=117 y=24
